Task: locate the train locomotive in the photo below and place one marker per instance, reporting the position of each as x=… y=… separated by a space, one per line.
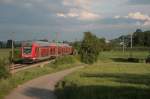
x=39 y=50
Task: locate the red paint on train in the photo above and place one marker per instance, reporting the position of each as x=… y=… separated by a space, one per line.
x=38 y=50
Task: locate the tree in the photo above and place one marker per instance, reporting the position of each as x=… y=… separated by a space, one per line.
x=1 y=44
x=77 y=45
x=9 y=44
x=89 y=50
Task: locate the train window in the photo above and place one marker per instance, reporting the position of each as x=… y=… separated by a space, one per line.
x=27 y=50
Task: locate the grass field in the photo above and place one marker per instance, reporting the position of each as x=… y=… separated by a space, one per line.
x=108 y=79
x=4 y=53
x=127 y=54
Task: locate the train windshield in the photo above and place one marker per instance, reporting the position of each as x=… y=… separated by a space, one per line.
x=27 y=50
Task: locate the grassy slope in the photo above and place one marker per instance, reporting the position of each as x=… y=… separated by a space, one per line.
x=6 y=85
x=107 y=80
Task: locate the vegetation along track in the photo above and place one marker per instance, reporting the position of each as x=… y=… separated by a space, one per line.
x=18 y=67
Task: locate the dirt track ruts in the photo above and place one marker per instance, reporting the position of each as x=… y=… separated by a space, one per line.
x=40 y=88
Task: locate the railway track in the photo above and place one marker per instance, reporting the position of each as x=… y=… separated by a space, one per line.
x=18 y=67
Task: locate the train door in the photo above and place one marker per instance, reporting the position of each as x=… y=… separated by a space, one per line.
x=36 y=52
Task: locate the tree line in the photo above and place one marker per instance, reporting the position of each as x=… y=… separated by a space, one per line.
x=8 y=44
x=140 y=39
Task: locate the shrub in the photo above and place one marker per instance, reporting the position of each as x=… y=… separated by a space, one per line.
x=89 y=50
x=64 y=60
x=4 y=69
x=135 y=60
x=16 y=58
x=148 y=59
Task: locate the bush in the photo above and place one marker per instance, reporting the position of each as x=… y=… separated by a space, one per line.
x=17 y=55
x=64 y=60
x=135 y=60
x=4 y=69
x=147 y=59
x=89 y=50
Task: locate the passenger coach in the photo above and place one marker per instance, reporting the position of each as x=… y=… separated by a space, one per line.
x=39 y=50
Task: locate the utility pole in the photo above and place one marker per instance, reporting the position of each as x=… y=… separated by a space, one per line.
x=57 y=45
x=131 y=43
x=12 y=48
x=123 y=45
x=12 y=53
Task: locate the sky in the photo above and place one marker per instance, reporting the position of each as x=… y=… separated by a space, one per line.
x=69 y=19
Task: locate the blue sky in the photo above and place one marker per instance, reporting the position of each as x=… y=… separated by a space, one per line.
x=43 y=19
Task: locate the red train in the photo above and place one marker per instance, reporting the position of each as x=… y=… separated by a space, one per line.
x=39 y=50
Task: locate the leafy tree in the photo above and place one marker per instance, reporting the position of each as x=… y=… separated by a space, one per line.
x=89 y=50
x=9 y=43
x=76 y=45
x=1 y=44
x=141 y=38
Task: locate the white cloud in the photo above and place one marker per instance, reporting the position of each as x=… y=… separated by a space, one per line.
x=61 y=15
x=85 y=15
x=80 y=15
x=80 y=9
x=72 y=14
x=137 y=16
x=117 y=17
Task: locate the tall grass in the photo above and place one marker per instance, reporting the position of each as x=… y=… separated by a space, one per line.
x=4 y=68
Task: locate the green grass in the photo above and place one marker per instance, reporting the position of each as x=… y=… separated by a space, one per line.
x=6 y=85
x=120 y=54
x=4 y=53
x=107 y=80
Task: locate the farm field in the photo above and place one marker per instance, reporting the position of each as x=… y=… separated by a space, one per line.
x=4 y=53
x=108 y=79
x=120 y=54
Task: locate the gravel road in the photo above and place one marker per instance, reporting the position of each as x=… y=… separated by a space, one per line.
x=40 y=88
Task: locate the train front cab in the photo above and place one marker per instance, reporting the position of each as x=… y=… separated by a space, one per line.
x=27 y=52
x=35 y=51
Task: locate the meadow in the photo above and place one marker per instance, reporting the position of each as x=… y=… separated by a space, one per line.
x=4 y=52
x=119 y=54
x=108 y=79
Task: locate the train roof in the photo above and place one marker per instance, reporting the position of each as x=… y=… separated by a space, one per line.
x=40 y=43
x=60 y=44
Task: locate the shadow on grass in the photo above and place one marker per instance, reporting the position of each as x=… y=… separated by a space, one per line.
x=124 y=77
x=39 y=93
x=131 y=60
x=102 y=92
x=72 y=91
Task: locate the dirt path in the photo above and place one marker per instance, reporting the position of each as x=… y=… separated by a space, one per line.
x=40 y=88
